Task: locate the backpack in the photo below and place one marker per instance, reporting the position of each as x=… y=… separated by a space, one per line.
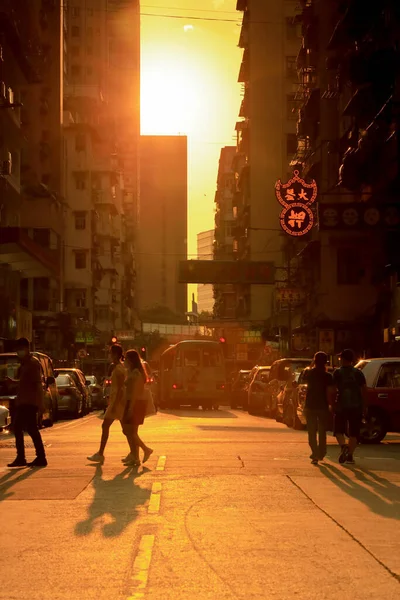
x=349 y=388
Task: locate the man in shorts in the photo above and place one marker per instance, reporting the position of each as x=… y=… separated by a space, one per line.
x=351 y=397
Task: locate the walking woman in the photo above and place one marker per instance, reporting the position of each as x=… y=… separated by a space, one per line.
x=135 y=408
x=320 y=389
x=116 y=407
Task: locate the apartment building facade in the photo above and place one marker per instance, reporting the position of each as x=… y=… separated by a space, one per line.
x=205 y=251
x=31 y=185
x=266 y=138
x=162 y=225
x=226 y=296
x=348 y=142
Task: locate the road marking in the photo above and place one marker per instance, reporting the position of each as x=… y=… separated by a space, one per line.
x=141 y=567
x=161 y=463
x=155 y=499
x=377 y=457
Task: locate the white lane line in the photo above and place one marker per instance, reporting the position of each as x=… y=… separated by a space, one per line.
x=161 y=463
x=141 y=567
x=155 y=499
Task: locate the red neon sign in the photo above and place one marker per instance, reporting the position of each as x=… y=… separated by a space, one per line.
x=296 y=196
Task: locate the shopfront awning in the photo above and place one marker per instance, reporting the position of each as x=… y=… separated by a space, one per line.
x=19 y=251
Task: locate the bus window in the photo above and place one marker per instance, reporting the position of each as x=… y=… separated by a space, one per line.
x=212 y=358
x=191 y=358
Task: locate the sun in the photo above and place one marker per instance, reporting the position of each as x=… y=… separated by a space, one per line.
x=171 y=95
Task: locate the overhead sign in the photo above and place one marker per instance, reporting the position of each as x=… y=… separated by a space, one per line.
x=215 y=271
x=357 y=216
x=296 y=197
x=126 y=334
x=84 y=337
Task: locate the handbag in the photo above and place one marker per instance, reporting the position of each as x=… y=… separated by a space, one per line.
x=149 y=402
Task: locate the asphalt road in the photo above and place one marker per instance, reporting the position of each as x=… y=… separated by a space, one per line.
x=228 y=507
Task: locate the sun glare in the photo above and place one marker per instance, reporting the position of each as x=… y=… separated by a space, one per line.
x=171 y=97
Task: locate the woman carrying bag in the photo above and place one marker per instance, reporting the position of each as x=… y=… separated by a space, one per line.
x=135 y=408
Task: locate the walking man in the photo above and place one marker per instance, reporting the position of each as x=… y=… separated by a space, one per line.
x=351 y=397
x=116 y=406
x=28 y=403
x=320 y=390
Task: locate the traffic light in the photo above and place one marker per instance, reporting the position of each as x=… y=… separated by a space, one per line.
x=222 y=339
x=143 y=353
x=114 y=339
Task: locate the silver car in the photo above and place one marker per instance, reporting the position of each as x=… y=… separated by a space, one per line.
x=4 y=417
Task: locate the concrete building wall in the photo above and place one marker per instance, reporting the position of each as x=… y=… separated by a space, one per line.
x=205 y=294
x=162 y=228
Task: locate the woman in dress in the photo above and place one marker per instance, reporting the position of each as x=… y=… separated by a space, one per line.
x=135 y=408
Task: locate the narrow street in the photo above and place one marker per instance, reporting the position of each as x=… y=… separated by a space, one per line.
x=227 y=507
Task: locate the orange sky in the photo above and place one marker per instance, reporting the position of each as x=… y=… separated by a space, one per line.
x=189 y=86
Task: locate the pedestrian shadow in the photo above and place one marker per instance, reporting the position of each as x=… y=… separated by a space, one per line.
x=379 y=494
x=9 y=480
x=119 y=498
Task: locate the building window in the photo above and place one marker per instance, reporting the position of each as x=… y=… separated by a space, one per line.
x=349 y=269
x=114 y=298
x=75 y=50
x=291 y=143
x=89 y=50
x=80 y=299
x=291 y=107
x=89 y=32
x=80 y=142
x=75 y=31
x=89 y=12
x=80 y=220
x=80 y=259
x=291 y=67
x=76 y=71
x=76 y=11
x=80 y=181
x=291 y=29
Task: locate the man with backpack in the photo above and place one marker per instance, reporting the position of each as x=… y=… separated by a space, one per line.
x=351 y=396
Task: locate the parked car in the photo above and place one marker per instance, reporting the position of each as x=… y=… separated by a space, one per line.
x=9 y=367
x=80 y=382
x=4 y=417
x=239 y=391
x=383 y=398
x=71 y=398
x=96 y=391
x=283 y=373
x=106 y=390
x=257 y=390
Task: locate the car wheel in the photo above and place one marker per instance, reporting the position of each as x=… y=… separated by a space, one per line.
x=373 y=428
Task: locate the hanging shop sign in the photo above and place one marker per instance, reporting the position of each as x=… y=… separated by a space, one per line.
x=358 y=216
x=296 y=197
x=290 y=295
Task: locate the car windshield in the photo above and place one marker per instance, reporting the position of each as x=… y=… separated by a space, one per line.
x=63 y=380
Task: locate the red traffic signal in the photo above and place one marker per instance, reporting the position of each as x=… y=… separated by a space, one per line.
x=222 y=340
x=143 y=349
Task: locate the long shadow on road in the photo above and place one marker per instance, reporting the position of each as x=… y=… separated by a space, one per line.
x=120 y=498
x=200 y=414
x=9 y=480
x=379 y=494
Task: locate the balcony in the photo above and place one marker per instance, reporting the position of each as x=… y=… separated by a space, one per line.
x=23 y=254
x=104 y=199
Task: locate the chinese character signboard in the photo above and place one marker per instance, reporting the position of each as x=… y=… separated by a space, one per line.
x=290 y=295
x=359 y=216
x=296 y=197
x=215 y=271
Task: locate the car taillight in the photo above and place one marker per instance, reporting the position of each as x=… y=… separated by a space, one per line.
x=220 y=386
x=177 y=386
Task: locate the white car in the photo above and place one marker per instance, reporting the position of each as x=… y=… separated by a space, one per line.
x=4 y=417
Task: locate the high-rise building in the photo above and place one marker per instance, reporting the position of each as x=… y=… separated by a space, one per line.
x=225 y=294
x=205 y=293
x=162 y=226
x=33 y=34
x=266 y=138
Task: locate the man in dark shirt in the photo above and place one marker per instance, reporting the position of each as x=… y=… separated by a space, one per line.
x=319 y=394
x=28 y=403
x=351 y=396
